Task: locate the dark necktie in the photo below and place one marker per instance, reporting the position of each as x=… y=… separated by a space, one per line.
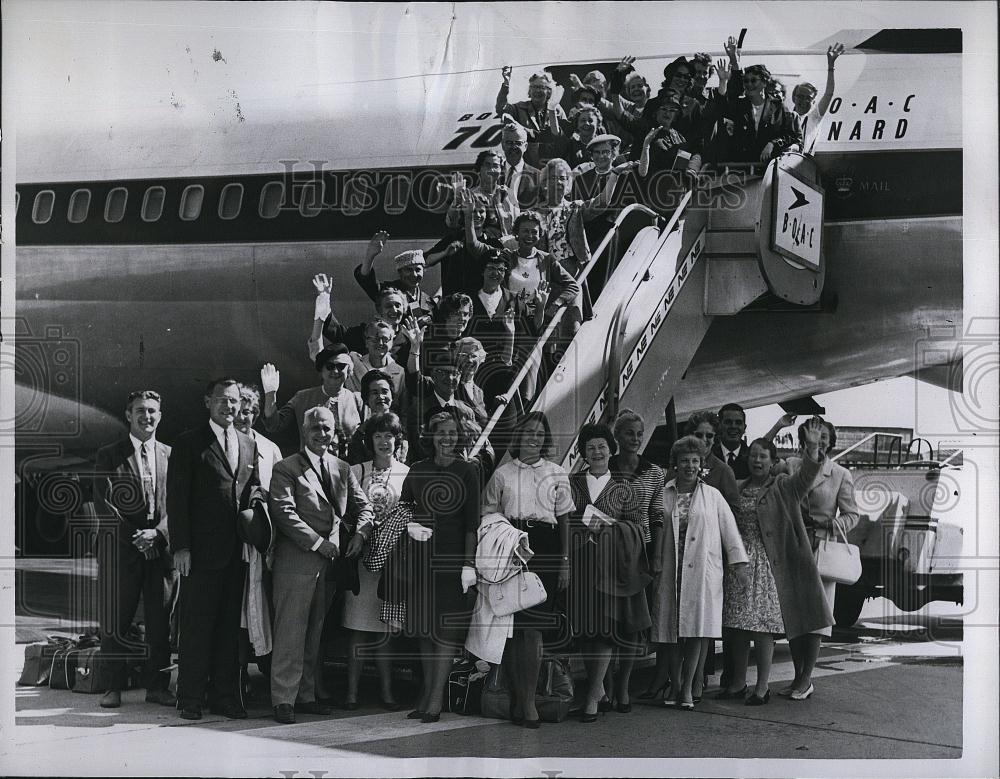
x=732 y=459
x=324 y=474
x=510 y=176
x=149 y=492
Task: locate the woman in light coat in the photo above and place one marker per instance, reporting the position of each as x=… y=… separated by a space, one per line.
x=699 y=531
x=828 y=507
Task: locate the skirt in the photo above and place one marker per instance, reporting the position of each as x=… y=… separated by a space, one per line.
x=361 y=611
x=548 y=617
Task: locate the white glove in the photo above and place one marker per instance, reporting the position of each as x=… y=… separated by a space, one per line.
x=468 y=578
x=321 y=310
x=270 y=378
x=418 y=532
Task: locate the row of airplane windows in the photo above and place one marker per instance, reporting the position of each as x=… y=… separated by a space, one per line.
x=230 y=204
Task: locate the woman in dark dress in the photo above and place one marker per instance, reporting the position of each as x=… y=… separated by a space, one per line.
x=444 y=493
x=609 y=569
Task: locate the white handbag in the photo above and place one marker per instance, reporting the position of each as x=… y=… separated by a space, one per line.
x=521 y=591
x=837 y=560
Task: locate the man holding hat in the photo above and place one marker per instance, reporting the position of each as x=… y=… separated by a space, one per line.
x=316 y=503
x=333 y=364
x=409 y=270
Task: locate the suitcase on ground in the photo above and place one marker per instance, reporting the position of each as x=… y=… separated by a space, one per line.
x=465 y=685
x=38 y=661
x=495 y=698
x=63 y=671
x=555 y=690
x=91 y=674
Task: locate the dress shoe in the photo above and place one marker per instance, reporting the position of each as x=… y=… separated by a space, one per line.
x=284 y=714
x=389 y=705
x=585 y=717
x=623 y=708
x=686 y=705
x=229 y=710
x=191 y=712
x=532 y=724
x=162 y=697
x=428 y=717
x=801 y=696
x=112 y=699
x=416 y=714
x=313 y=707
x=604 y=705
x=758 y=700
x=652 y=695
x=731 y=696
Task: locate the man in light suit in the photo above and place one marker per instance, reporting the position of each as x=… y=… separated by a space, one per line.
x=130 y=488
x=315 y=502
x=212 y=471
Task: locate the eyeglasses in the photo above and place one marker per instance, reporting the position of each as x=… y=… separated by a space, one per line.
x=751 y=80
x=704 y=435
x=336 y=366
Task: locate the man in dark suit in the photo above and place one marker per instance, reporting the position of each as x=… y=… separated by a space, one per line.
x=130 y=488
x=316 y=504
x=432 y=393
x=520 y=178
x=212 y=471
x=732 y=447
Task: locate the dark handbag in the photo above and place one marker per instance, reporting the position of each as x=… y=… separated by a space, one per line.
x=555 y=690
x=495 y=700
x=466 y=682
x=62 y=674
x=91 y=674
x=38 y=661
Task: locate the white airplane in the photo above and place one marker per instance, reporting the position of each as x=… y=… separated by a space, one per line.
x=168 y=158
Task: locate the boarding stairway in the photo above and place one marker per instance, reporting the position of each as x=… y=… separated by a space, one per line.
x=712 y=255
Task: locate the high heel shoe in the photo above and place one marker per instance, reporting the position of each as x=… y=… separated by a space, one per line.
x=731 y=696
x=623 y=708
x=801 y=696
x=416 y=714
x=652 y=695
x=604 y=705
x=758 y=700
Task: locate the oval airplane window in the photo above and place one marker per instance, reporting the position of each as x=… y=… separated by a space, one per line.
x=271 y=198
x=114 y=205
x=152 y=204
x=191 y=200
x=17 y=202
x=79 y=206
x=311 y=198
x=41 y=211
x=230 y=201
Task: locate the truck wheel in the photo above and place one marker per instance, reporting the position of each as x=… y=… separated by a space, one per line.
x=847 y=604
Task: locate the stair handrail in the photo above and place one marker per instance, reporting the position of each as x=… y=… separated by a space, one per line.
x=536 y=350
x=623 y=312
x=855 y=445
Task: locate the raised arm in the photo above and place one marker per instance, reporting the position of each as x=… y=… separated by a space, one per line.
x=831 y=58
x=502 y=102
x=364 y=273
x=785 y=420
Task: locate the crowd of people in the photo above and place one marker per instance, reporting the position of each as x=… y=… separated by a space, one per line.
x=421 y=474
